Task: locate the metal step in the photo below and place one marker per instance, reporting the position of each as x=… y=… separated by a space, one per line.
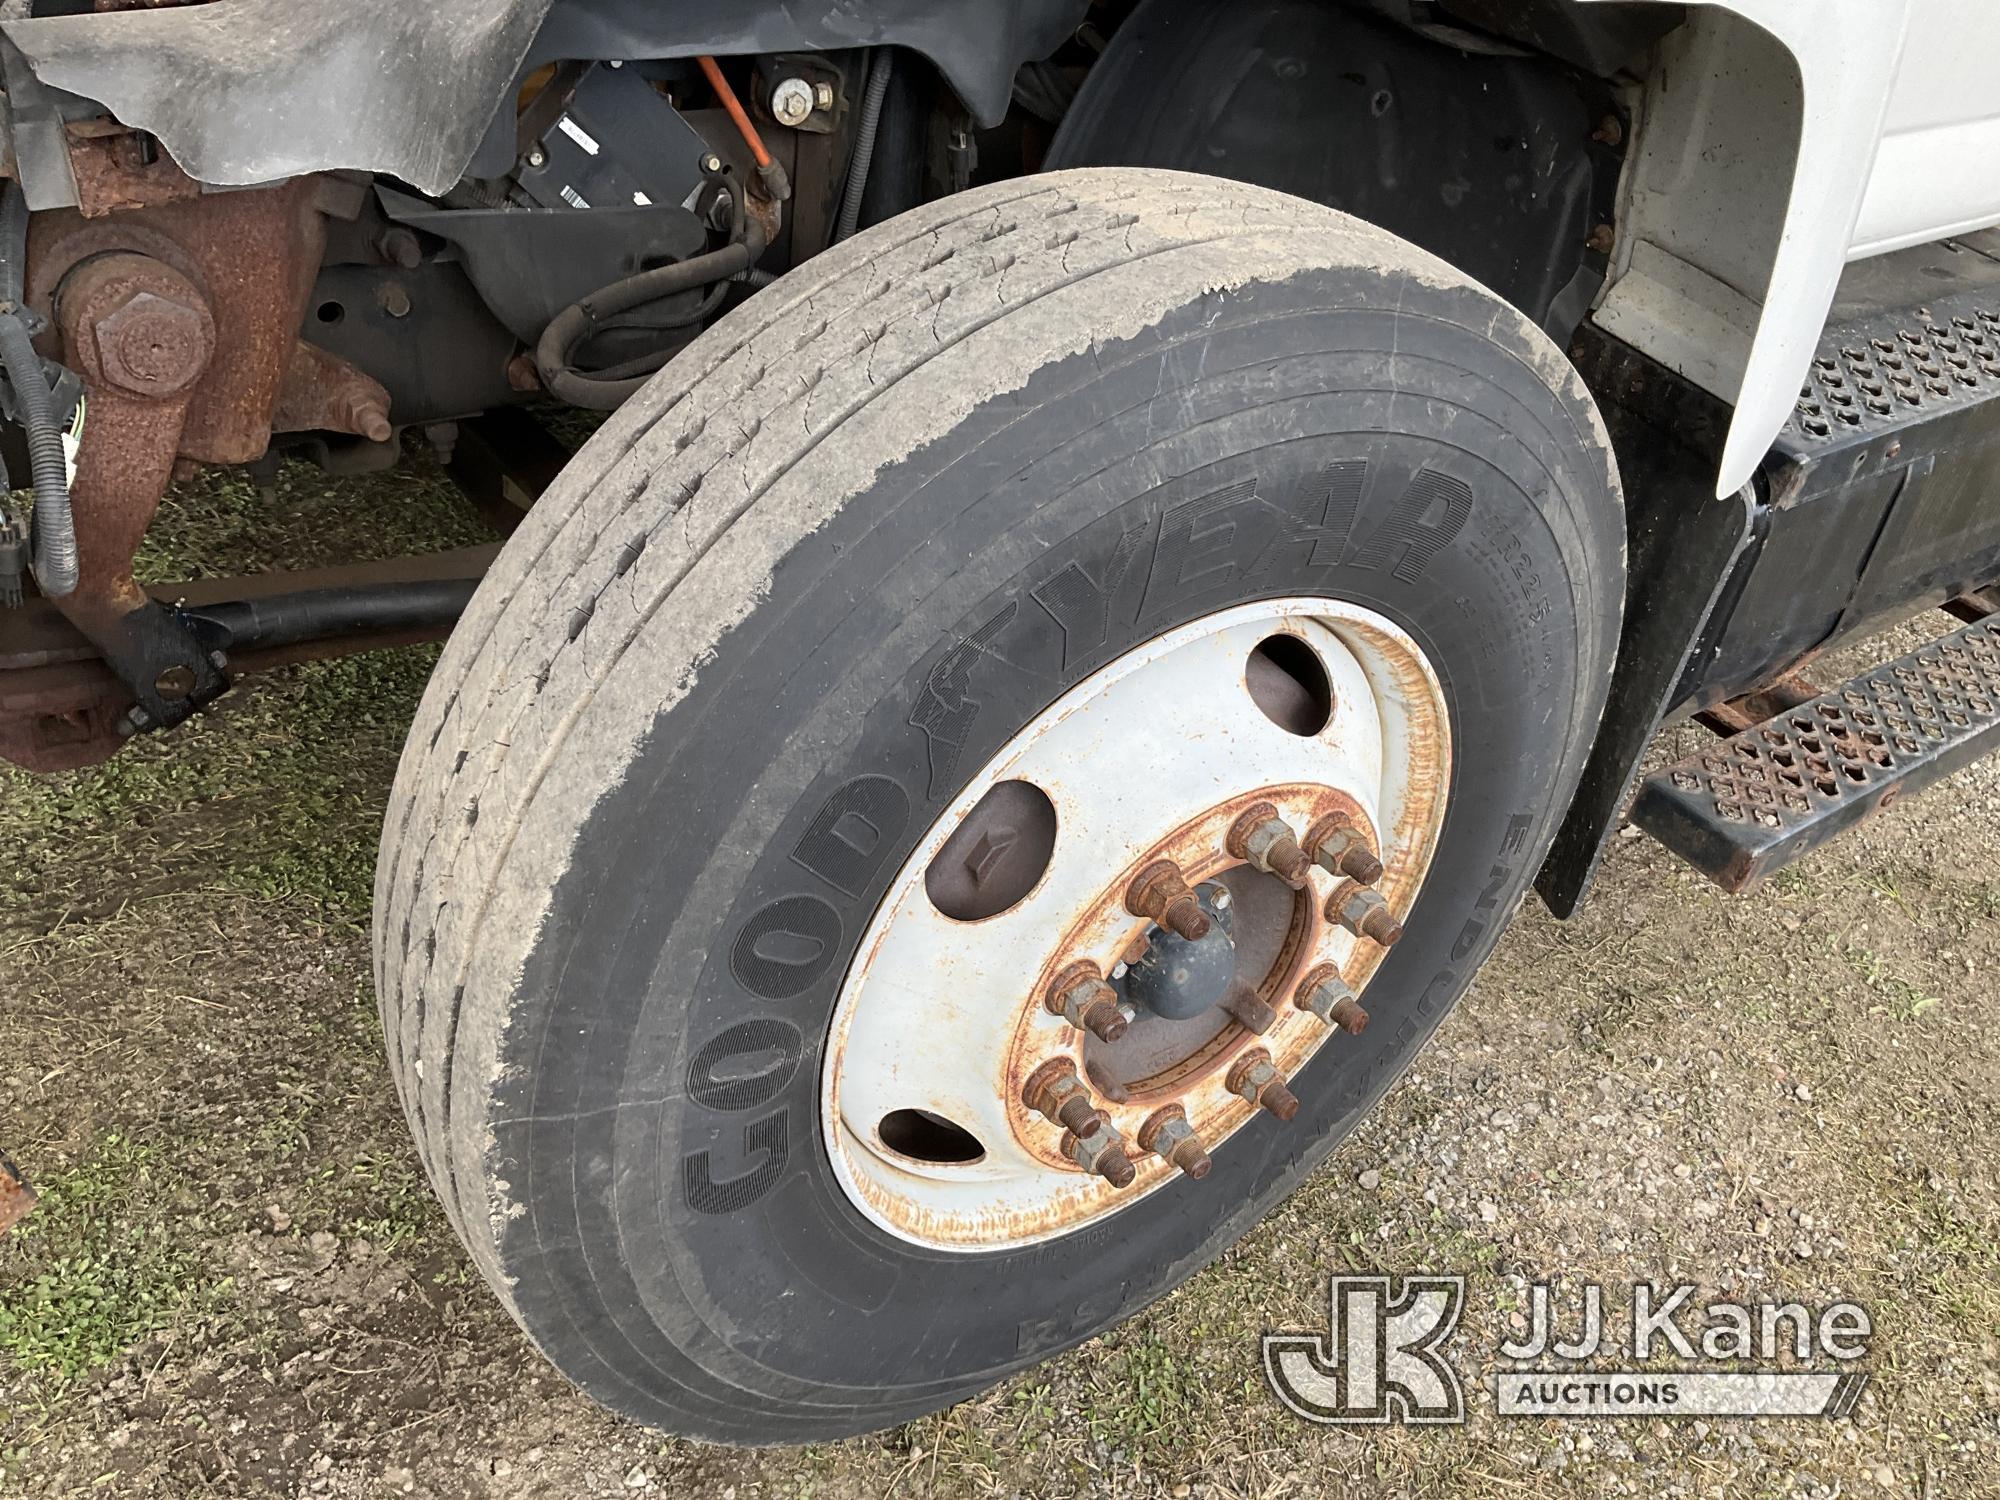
x=1753 y=803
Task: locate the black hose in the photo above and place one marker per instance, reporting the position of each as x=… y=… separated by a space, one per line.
x=575 y=323
x=55 y=525
x=321 y=614
x=864 y=143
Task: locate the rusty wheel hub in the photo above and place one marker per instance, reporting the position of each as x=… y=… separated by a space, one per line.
x=1122 y=942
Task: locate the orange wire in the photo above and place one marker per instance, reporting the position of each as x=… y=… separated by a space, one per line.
x=727 y=95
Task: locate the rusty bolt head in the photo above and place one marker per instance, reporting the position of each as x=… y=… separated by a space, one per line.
x=1055 y=1092
x=1601 y=239
x=1341 y=849
x=1255 y=1078
x=1266 y=842
x=1167 y=1134
x=152 y=346
x=1100 y=1149
x=1610 y=131
x=1081 y=997
x=1161 y=892
x=362 y=412
x=1364 y=913
x=1325 y=995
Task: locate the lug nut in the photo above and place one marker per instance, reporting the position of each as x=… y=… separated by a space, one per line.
x=1101 y=1149
x=1167 y=1134
x=1324 y=994
x=1081 y=997
x=1249 y=1007
x=1364 y=913
x=1161 y=892
x=1266 y=842
x=1255 y=1079
x=1341 y=849
x=1055 y=1092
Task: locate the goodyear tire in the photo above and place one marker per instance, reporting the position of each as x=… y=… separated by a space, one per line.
x=789 y=601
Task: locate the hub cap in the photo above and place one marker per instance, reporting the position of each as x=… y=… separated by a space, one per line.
x=1147 y=912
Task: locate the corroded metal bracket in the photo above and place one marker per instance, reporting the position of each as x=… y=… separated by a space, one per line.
x=16 y=1197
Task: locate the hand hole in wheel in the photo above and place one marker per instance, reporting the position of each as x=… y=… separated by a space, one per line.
x=923 y=1136
x=1288 y=682
x=995 y=857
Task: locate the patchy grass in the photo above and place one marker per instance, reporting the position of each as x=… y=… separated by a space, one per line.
x=100 y=1267
x=277 y=791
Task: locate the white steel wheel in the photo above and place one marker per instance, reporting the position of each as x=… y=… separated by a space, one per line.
x=1024 y=1043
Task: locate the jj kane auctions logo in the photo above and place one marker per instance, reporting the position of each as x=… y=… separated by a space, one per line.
x=1382 y=1356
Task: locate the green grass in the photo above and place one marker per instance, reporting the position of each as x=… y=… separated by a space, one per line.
x=277 y=791
x=99 y=1269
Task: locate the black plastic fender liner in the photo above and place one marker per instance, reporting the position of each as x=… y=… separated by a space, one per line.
x=249 y=91
x=1499 y=164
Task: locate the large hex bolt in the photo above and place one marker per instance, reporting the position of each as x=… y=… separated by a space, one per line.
x=1325 y=995
x=1167 y=1134
x=1081 y=997
x=1341 y=849
x=152 y=345
x=1101 y=1151
x=1266 y=842
x=1364 y=913
x=1256 y=1079
x=792 y=102
x=1054 y=1091
x=1161 y=892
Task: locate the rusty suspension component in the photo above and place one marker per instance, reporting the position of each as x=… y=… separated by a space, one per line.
x=180 y=314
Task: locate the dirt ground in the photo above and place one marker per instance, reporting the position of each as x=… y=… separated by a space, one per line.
x=238 y=1284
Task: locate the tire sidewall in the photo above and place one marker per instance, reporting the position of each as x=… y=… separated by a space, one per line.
x=661 y=1093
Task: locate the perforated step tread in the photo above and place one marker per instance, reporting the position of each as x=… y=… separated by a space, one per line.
x=1753 y=803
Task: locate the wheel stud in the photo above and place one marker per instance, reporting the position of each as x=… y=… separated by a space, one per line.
x=1364 y=913
x=1167 y=1134
x=1341 y=849
x=1055 y=1092
x=1101 y=1149
x=1161 y=892
x=1323 y=993
x=1249 y=1007
x=1255 y=1079
x=1081 y=997
x=1266 y=842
